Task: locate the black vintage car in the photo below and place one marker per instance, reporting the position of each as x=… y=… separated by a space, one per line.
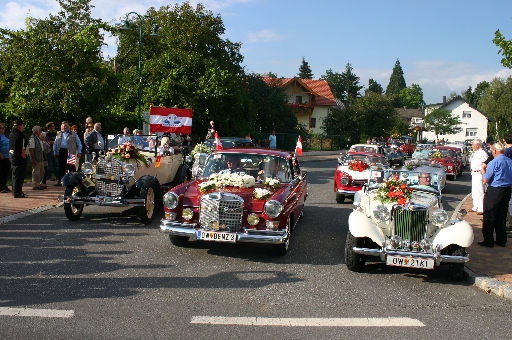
x=394 y=156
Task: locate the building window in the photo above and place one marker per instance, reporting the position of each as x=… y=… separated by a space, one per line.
x=312 y=122
x=471 y=132
x=466 y=114
x=298 y=100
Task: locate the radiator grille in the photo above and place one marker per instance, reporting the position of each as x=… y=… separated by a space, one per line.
x=221 y=211
x=107 y=180
x=410 y=224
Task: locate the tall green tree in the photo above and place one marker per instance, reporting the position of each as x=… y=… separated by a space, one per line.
x=53 y=69
x=441 y=122
x=469 y=96
x=351 y=83
x=412 y=97
x=335 y=81
x=191 y=65
x=374 y=87
x=505 y=48
x=304 y=70
x=396 y=83
x=496 y=102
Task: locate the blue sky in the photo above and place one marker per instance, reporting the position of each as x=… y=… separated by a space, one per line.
x=443 y=46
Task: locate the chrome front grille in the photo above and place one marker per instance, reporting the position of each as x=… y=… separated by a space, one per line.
x=221 y=211
x=107 y=179
x=410 y=224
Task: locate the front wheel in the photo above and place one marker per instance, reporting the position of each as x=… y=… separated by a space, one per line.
x=340 y=198
x=456 y=270
x=355 y=262
x=282 y=249
x=73 y=211
x=148 y=210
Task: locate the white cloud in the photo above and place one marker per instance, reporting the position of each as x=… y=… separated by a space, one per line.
x=264 y=36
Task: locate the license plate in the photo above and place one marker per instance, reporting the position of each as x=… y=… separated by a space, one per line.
x=217 y=236
x=400 y=261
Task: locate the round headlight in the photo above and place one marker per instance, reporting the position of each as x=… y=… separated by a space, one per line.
x=187 y=214
x=170 y=200
x=381 y=213
x=439 y=217
x=450 y=167
x=273 y=208
x=86 y=168
x=344 y=180
x=253 y=219
x=129 y=170
x=395 y=241
x=426 y=244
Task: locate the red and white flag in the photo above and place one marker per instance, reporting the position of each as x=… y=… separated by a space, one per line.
x=298 y=148
x=218 y=144
x=71 y=159
x=171 y=120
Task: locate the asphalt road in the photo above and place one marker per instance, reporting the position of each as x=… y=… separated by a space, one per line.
x=110 y=277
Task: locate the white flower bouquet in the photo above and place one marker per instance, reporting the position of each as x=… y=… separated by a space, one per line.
x=272 y=183
x=261 y=193
x=230 y=180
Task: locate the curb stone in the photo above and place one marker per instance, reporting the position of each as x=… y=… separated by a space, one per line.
x=485 y=283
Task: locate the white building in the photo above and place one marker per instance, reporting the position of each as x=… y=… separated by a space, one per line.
x=474 y=122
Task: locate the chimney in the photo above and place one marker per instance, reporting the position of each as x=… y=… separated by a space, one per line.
x=444 y=99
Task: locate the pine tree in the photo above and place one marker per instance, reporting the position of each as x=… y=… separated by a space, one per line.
x=374 y=87
x=305 y=70
x=351 y=84
x=396 y=81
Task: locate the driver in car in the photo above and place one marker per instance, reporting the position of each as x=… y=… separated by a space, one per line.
x=233 y=165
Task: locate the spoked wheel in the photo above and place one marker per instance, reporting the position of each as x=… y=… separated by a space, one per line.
x=355 y=262
x=148 y=210
x=340 y=198
x=282 y=249
x=456 y=270
x=73 y=211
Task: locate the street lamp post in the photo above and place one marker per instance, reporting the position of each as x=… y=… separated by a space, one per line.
x=154 y=33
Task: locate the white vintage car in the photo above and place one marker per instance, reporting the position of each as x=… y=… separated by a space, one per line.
x=414 y=234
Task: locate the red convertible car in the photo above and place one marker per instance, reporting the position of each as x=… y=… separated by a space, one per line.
x=450 y=159
x=353 y=171
x=243 y=195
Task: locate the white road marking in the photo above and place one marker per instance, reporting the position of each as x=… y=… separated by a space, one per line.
x=308 y=322
x=43 y=313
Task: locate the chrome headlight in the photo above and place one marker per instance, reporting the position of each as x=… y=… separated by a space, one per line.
x=344 y=180
x=395 y=241
x=426 y=244
x=381 y=213
x=439 y=217
x=273 y=208
x=86 y=168
x=450 y=167
x=187 y=214
x=253 y=219
x=128 y=169
x=170 y=200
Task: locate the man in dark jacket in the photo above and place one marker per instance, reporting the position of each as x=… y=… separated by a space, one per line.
x=17 y=154
x=94 y=140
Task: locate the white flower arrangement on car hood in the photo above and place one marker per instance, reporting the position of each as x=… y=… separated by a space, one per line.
x=261 y=193
x=229 y=180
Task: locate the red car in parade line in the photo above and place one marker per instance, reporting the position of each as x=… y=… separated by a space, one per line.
x=353 y=171
x=253 y=195
x=451 y=160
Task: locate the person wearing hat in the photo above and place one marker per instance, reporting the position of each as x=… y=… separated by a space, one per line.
x=18 y=157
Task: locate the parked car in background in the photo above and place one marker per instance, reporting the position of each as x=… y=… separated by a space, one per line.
x=450 y=159
x=421 y=153
x=370 y=148
x=258 y=201
x=462 y=152
x=229 y=142
x=353 y=172
x=394 y=156
x=399 y=219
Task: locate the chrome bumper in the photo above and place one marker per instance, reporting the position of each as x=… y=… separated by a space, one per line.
x=437 y=257
x=190 y=230
x=347 y=192
x=140 y=202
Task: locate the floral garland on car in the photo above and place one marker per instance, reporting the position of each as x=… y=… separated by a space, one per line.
x=436 y=154
x=393 y=191
x=270 y=184
x=128 y=151
x=412 y=165
x=201 y=148
x=357 y=165
x=217 y=180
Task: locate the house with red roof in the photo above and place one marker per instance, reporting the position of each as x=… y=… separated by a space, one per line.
x=309 y=99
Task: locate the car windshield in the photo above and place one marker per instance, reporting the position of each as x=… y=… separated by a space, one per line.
x=421 y=180
x=362 y=148
x=448 y=153
x=371 y=160
x=421 y=154
x=254 y=165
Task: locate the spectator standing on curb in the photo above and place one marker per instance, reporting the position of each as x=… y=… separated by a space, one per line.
x=508 y=153
x=66 y=142
x=499 y=177
x=42 y=136
x=95 y=141
x=5 y=164
x=52 y=162
x=272 y=139
x=476 y=161
x=88 y=129
x=37 y=152
x=18 y=157
x=211 y=130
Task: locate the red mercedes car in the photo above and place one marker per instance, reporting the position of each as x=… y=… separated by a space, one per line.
x=450 y=159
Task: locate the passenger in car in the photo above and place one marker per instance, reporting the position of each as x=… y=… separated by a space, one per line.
x=233 y=165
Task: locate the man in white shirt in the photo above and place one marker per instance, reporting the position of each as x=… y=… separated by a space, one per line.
x=125 y=138
x=272 y=170
x=478 y=157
